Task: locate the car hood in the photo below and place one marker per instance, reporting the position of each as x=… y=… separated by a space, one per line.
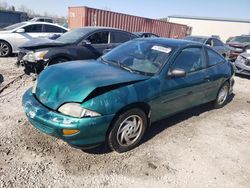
x=75 y=81
x=41 y=43
x=4 y=32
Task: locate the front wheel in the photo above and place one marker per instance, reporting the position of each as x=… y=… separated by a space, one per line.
x=222 y=96
x=5 y=49
x=127 y=130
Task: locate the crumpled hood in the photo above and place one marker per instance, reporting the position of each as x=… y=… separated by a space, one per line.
x=246 y=55
x=74 y=81
x=41 y=43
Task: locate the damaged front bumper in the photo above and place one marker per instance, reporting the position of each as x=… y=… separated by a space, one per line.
x=92 y=131
x=32 y=67
x=242 y=68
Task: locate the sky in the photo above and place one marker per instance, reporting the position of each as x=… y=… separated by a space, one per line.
x=146 y=8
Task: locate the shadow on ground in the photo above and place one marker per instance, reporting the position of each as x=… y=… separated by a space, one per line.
x=1 y=79
x=161 y=125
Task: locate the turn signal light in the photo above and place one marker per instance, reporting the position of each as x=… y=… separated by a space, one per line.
x=67 y=132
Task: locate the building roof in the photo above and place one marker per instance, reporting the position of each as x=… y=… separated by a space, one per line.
x=210 y=18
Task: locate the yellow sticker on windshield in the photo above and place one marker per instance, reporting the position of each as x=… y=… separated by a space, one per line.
x=161 y=49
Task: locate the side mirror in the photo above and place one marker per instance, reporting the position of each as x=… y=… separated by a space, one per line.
x=20 y=30
x=85 y=43
x=177 y=73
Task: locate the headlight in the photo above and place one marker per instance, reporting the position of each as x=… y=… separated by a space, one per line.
x=35 y=56
x=248 y=50
x=34 y=87
x=75 y=110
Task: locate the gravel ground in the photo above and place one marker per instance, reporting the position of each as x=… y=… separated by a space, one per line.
x=201 y=147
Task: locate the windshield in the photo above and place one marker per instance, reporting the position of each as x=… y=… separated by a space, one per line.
x=14 y=26
x=72 y=36
x=196 y=39
x=240 y=39
x=140 y=56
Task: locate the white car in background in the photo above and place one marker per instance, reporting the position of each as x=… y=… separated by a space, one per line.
x=13 y=36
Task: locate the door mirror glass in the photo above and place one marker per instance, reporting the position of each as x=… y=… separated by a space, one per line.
x=177 y=73
x=20 y=30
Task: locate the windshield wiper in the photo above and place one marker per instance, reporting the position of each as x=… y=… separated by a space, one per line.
x=121 y=65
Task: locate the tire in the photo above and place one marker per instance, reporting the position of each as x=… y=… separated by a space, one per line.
x=58 y=60
x=123 y=136
x=222 y=96
x=5 y=49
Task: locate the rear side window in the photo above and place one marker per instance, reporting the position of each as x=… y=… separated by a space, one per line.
x=36 y=28
x=190 y=60
x=120 y=37
x=216 y=42
x=213 y=58
x=99 y=38
x=52 y=29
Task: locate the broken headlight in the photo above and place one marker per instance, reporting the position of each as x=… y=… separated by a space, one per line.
x=35 y=56
x=75 y=110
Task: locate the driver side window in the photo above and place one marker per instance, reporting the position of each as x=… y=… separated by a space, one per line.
x=99 y=38
x=190 y=60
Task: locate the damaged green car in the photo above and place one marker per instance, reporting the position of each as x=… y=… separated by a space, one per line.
x=115 y=98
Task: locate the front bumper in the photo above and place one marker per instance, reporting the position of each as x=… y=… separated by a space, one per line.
x=92 y=131
x=241 y=68
x=30 y=67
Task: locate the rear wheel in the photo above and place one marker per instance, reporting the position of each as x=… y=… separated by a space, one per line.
x=127 y=130
x=5 y=49
x=222 y=96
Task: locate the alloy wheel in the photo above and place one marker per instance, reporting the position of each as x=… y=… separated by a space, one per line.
x=129 y=130
x=222 y=96
x=4 y=49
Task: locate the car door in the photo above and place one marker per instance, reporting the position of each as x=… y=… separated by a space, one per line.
x=179 y=93
x=93 y=46
x=50 y=30
x=118 y=37
x=219 y=46
x=34 y=30
x=30 y=32
x=214 y=69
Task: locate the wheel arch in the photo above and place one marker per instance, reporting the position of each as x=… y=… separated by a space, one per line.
x=59 y=56
x=141 y=105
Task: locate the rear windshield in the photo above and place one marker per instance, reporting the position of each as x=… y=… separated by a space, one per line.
x=196 y=39
x=240 y=39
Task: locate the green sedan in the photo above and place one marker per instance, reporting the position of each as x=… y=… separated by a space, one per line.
x=114 y=99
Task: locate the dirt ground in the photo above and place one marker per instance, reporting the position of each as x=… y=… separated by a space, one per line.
x=201 y=147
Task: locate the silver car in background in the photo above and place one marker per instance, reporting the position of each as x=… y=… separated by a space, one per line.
x=13 y=36
x=242 y=63
x=214 y=42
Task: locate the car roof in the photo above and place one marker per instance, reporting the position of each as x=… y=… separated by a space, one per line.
x=42 y=17
x=93 y=28
x=197 y=36
x=171 y=42
x=48 y=23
